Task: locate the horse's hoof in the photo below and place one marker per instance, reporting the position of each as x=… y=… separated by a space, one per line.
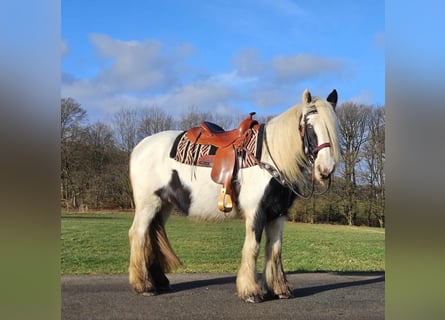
x=254 y=299
x=285 y=296
x=149 y=294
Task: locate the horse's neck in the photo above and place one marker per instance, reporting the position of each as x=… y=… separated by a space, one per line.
x=283 y=146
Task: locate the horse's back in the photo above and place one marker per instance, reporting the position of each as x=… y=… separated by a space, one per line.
x=160 y=141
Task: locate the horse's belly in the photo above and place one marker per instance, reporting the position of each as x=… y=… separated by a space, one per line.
x=205 y=192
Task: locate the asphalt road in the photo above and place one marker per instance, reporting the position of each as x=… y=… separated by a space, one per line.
x=211 y=296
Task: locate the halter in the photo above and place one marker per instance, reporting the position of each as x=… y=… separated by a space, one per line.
x=310 y=150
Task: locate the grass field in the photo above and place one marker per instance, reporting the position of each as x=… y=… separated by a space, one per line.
x=98 y=244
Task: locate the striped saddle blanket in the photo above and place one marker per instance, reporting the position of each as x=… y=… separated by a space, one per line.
x=196 y=154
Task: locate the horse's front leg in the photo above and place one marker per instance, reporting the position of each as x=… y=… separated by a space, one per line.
x=274 y=278
x=246 y=282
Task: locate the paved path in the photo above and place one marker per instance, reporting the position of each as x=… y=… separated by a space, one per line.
x=210 y=296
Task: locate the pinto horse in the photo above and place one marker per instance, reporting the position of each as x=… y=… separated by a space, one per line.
x=301 y=139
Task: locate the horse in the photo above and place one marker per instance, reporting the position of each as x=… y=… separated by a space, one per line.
x=302 y=139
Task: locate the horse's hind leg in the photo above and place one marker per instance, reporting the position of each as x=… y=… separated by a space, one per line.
x=150 y=252
x=140 y=252
x=162 y=257
x=274 y=278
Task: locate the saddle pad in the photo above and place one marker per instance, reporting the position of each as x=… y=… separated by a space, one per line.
x=188 y=152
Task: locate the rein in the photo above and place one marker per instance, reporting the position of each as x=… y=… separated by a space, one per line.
x=275 y=172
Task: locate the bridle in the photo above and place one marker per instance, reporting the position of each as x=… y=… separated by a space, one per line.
x=310 y=149
x=310 y=144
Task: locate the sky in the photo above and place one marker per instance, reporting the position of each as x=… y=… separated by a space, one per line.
x=221 y=56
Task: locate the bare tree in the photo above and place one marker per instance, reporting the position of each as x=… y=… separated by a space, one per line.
x=229 y=121
x=374 y=160
x=125 y=123
x=193 y=118
x=154 y=120
x=72 y=116
x=98 y=156
x=353 y=120
x=71 y=123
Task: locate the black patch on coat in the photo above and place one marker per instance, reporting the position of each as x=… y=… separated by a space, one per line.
x=275 y=202
x=175 y=192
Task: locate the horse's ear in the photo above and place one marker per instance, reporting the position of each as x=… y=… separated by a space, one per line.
x=332 y=98
x=307 y=98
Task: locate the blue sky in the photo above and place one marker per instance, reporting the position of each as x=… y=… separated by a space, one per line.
x=220 y=56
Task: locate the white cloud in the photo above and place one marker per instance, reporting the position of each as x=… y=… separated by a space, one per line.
x=270 y=96
x=138 y=65
x=274 y=82
x=290 y=68
x=147 y=73
x=247 y=63
x=303 y=66
x=363 y=97
x=205 y=95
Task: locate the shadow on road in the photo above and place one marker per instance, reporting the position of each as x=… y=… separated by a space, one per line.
x=320 y=296
x=300 y=292
x=309 y=291
x=182 y=286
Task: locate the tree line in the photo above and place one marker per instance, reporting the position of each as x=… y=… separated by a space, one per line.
x=94 y=160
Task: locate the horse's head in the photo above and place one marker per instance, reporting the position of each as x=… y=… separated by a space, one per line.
x=318 y=129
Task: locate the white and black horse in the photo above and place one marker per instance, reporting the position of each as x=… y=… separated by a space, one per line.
x=302 y=138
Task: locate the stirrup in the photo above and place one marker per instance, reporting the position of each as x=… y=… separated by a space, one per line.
x=225 y=201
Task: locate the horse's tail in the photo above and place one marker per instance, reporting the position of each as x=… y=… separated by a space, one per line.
x=162 y=250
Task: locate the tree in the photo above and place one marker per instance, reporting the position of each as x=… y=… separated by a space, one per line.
x=125 y=123
x=353 y=120
x=374 y=160
x=72 y=116
x=193 y=118
x=71 y=123
x=154 y=120
x=98 y=157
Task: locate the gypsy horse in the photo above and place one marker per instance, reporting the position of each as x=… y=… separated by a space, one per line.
x=300 y=140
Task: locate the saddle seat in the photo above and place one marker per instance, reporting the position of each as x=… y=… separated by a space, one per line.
x=223 y=163
x=211 y=133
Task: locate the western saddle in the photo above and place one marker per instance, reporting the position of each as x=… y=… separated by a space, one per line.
x=223 y=163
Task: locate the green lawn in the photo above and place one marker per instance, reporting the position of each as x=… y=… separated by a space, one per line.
x=98 y=244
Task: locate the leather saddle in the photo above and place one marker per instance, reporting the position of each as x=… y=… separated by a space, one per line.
x=230 y=144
